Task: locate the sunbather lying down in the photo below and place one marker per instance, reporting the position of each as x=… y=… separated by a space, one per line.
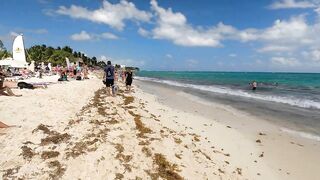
x=2 y=125
x=6 y=86
x=5 y=89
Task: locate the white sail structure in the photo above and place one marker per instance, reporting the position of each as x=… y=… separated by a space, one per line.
x=18 y=52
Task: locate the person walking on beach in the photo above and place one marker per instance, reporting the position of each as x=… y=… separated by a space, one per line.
x=123 y=75
x=109 y=77
x=128 y=80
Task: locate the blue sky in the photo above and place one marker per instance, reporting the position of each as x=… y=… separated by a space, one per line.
x=218 y=35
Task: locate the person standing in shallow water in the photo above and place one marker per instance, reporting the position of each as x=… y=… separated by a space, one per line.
x=254 y=85
x=109 y=77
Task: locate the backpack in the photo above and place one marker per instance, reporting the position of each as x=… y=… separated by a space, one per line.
x=109 y=73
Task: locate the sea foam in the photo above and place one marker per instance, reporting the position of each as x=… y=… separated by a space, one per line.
x=301 y=134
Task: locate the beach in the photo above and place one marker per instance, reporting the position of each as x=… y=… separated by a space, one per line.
x=73 y=130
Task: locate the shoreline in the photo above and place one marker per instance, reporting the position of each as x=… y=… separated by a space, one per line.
x=141 y=135
x=299 y=120
x=285 y=147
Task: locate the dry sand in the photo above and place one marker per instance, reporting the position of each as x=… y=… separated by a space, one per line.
x=73 y=130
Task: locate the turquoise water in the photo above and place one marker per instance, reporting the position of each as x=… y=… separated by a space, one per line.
x=295 y=89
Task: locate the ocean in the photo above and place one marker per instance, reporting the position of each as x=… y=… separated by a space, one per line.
x=293 y=99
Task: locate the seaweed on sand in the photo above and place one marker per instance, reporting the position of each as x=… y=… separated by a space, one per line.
x=140 y=126
x=177 y=140
x=119 y=176
x=146 y=151
x=8 y=173
x=120 y=156
x=27 y=152
x=165 y=169
x=43 y=128
x=49 y=154
x=55 y=138
x=81 y=148
x=58 y=172
x=128 y=100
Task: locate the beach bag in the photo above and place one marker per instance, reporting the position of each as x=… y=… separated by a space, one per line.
x=78 y=78
x=25 y=85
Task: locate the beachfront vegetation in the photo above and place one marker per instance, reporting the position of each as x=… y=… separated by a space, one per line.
x=3 y=51
x=57 y=56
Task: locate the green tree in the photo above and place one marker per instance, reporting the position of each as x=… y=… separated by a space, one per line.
x=67 y=49
x=35 y=53
x=5 y=54
x=48 y=53
x=3 y=51
x=2 y=48
x=75 y=54
x=58 y=57
x=94 y=60
x=101 y=64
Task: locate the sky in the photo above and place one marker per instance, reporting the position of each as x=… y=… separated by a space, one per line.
x=175 y=35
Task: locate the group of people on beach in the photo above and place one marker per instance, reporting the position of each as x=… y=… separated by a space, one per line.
x=111 y=76
x=76 y=71
x=14 y=77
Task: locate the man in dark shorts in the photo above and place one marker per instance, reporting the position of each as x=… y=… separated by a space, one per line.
x=128 y=80
x=109 y=76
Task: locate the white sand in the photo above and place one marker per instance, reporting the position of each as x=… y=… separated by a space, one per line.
x=134 y=136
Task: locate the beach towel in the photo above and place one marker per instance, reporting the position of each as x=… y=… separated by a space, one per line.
x=25 y=85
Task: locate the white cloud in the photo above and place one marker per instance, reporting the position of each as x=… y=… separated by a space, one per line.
x=143 y=32
x=191 y=63
x=317 y=10
x=232 y=55
x=39 y=31
x=274 y=48
x=169 y=56
x=287 y=36
x=107 y=35
x=283 y=35
x=113 y=15
x=14 y=34
x=290 y=4
x=126 y=62
x=293 y=30
x=313 y=55
x=173 y=26
x=82 y=36
x=282 y=31
x=282 y=61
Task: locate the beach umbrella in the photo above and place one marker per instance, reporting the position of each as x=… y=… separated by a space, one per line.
x=31 y=66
